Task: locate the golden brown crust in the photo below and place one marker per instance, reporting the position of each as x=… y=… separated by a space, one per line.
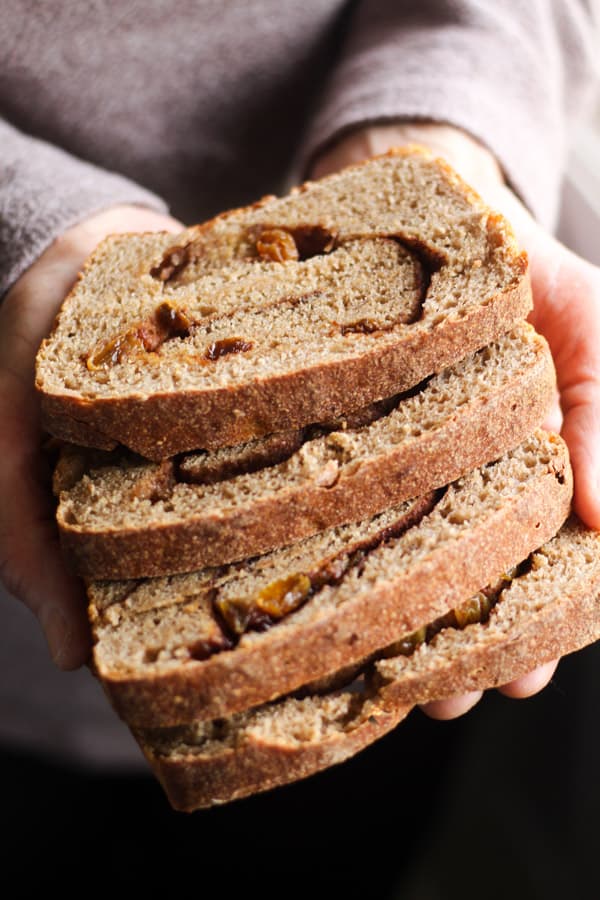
x=283 y=661
x=258 y=765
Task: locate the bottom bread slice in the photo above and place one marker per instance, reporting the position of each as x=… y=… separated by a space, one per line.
x=211 y=763
x=551 y=607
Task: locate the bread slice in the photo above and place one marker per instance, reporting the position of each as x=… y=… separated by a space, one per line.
x=291 y=311
x=550 y=608
x=122 y=517
x=172 y=650
x=211 y=763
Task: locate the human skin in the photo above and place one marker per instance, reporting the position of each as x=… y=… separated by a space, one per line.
x=31 y=566
x=567 y=311
x=566 y=297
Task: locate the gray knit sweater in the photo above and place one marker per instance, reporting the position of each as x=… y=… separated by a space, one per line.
x=203 y=104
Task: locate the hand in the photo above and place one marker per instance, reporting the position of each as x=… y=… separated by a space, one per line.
x=30 y=561
x=566 y=293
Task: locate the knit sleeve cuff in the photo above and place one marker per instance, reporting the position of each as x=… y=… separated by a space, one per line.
x=44 y=191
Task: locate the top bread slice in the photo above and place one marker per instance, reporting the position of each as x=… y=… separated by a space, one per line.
x=289 y=312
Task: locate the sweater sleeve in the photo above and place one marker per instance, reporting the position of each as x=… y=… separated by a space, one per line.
x=515 y=74
x=44 y=191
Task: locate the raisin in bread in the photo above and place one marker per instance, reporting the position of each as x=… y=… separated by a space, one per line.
x=288 y=312
x=548 y=607
x=123 y=517
x=208 y=644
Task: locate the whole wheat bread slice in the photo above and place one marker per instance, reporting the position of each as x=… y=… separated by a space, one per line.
x=122 y=517
x=165 y=656
x=549 y=609
x=288 y=312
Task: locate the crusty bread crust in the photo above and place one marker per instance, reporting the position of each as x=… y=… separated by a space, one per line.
x=161 y=424
x=288 y=656
x=259 y=765
x=479 y=431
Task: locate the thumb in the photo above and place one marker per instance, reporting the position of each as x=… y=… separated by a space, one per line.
x=577 y=358
x=581 y=431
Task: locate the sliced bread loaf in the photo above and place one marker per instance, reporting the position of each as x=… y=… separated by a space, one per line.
x=122 y=517
x=173 y=650
x=550 y=607
x=288 y=312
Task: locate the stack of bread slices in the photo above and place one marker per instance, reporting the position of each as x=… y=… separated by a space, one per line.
x=303 y=474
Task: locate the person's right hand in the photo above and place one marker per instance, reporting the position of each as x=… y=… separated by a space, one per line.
x=31 y=565
x=566 y=295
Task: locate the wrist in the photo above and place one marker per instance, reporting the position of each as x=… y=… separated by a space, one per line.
x=471 y=159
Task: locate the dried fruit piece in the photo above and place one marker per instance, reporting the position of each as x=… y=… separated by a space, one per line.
x=172 y=320
x=284 y=596
x=227 y=345
x=477 y=609
x=166 y=322
x=113 y=351
x=172 y=263
x=297 y=243
x=276 y=245
x=313 y=240
x=362 y=326
x=409 y=644
x=274 y=602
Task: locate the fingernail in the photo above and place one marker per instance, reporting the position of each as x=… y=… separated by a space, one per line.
x=57 y=633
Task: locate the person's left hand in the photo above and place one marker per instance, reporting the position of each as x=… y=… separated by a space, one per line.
x=566 y=294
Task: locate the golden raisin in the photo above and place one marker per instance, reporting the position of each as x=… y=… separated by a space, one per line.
x=235 y=613
x=174 y=322
x=113 y=351
x=474 y=610
x=284 y=595
x=165 y=323
x=276 y=245
x=409 y=644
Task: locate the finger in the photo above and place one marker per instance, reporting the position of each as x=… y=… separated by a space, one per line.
x=554 y=417
x=568 y=296
x=452 y=707
x=531 y=683
x=31 y=564
x=581 y=431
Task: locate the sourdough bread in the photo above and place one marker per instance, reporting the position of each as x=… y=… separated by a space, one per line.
x=122 y=517
x=288 y=312
x=165 y=657
x=549 y=609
